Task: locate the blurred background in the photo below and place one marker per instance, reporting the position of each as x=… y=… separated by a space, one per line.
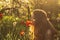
x=14 y=12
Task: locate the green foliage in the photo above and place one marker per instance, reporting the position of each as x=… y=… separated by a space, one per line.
x=11 y=27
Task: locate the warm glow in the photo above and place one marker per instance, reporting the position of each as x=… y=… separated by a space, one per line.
x=26 y=1
x=58 y=1
x=31 y=31
x=8 y=1
x=0 y=2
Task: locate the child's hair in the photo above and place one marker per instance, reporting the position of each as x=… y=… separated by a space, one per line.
x=40 y=11
x=41 y=24
x=39 y=15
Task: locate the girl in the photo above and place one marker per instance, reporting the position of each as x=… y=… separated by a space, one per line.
x=43 y=29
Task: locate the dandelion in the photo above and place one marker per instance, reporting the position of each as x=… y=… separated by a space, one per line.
x=14 y=23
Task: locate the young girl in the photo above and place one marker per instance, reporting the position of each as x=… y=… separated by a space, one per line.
x=43 y=29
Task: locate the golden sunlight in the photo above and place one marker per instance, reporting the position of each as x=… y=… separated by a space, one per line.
x=26 y=1
x=31 y=29
x=58 y=1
